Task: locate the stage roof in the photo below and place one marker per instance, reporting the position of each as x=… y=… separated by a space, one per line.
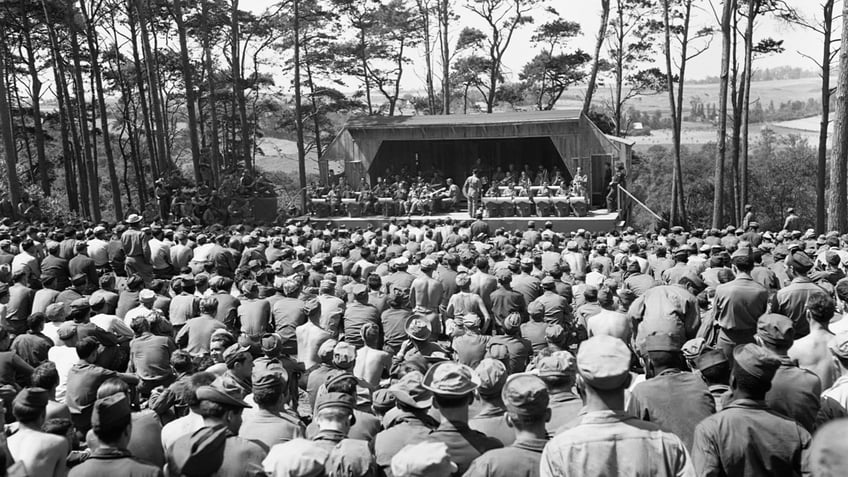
x=565 y=137
x=422 y=120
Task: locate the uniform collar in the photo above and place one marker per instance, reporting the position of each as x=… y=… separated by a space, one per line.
x=110 y=453
x=534 y=445
x=604 y=417
x=746 y=404
x=329 y=435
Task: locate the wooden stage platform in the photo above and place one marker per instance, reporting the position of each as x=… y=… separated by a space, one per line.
x=597 y=221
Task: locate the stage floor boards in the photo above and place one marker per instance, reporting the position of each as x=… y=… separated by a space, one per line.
x=599 y=220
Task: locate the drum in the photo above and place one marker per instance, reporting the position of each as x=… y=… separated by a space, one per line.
x=523 y=207
x=544 y=206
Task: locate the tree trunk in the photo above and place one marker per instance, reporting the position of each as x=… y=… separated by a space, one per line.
x=298 y=118
x=188 y=79
x=164 y=159
x=364 y=60
x=8 y=138
x=444 y=23
x=35 y=94
x=94 y=53
x=238 y=87
x=718 y=196
x=736 y=95
x=215 y=153
x=89 y=161
x=146 y=117
x=678 y=213
x=837 y=193
x=599 y=43
x=619 y=72
x=753 y=7
x=821 y=170
x=65 y=113
x=424 y=10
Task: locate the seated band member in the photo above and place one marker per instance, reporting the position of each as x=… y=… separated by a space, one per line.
x=365 y=197
x=448 y=197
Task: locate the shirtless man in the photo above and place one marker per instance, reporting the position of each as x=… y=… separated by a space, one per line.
x=372 y=363
x=310 y=337
x=42 y=454
x=811 y=351
x=426 y=291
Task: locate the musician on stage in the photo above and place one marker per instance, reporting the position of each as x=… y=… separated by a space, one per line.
x=541 y=175
x=579 y=183
x=365 y=197
x=558 y=180
x=449 y=196
x=472 y=189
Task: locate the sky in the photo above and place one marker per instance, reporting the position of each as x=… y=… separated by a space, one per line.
x=587 y=13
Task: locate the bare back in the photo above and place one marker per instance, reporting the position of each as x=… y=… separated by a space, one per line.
x=610 y=323
x=370 y=364
x=309 y=338
x=43 y=454
x=812 y=354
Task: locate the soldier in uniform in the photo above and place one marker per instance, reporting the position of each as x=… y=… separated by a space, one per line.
x=453 y=385
x=216 y=449
x=271 y=423
x=773 y=445
x=526 y=399
x=136 y=244
x=607 y=440
x=111 y=423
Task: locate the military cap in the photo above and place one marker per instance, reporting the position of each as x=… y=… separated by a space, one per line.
x=270 y=380
x=839 y=345
x=359 y=290
x=344 y=355
x=220 y=395
x=604 y=362
x=233 y=352
x=526 y=261
x=800 y=261
x=55 y=312
x=512 y=322
x=146 y=296
x=80 y=304
x=66 y=332
x=410 y=391
x=661 y=342
x=325 y=351
x=525 y=394
x=96 y=301
x=428 y=264
x=462 y=279
x=693 y=348
x=383 y=400
x=296 y=458
x=548 y=282
x=32 y=397
x=710 y=358
x=555 y=334
x=535 y=309
x=202 y=453
x=558 y=365
x=111 y=413
x=271 y=343
x=775 y=329
x=756 y=361
x=425 y=459
x=492 y=375
x=448 y=378
x=503 y=274
x=335 y=400
x=79 y=279
x=417 y=328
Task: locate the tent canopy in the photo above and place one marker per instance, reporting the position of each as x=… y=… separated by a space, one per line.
x=371 y=146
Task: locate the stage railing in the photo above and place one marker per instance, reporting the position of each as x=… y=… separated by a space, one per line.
x=627 y=192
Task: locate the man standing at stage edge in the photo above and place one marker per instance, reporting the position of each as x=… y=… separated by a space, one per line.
x=471 y=190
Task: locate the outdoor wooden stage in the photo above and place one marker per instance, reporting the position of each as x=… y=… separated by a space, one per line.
x=599 y=220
